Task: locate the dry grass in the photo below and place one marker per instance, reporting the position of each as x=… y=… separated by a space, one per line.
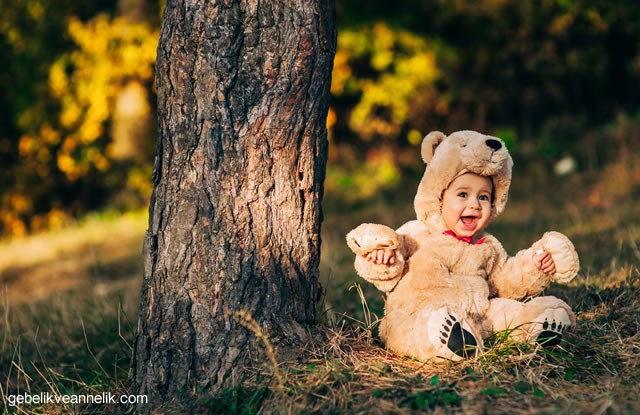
x=78 y=342
x=346 y=370
x=65 y=346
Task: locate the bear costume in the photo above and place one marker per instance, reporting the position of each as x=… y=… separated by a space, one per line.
x=445 y=294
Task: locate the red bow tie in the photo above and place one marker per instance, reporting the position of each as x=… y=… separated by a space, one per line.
x=466 y=239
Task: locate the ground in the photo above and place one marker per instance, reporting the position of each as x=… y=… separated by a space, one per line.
x=70 y=302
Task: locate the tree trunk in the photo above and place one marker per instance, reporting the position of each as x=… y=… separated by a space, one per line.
x=234 y=221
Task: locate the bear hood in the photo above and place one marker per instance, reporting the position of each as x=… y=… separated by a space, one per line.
x=448 y=157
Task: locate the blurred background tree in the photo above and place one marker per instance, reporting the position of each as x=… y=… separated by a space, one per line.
x=554 y=78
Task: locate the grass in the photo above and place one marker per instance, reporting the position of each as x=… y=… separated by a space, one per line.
x=68 y=310
x=77 y=339
x=99 y=254
x=65 y=346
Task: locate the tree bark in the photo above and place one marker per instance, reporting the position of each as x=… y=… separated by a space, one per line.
x=234 y=220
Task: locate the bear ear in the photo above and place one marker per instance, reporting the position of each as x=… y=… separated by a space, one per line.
x=429 y=144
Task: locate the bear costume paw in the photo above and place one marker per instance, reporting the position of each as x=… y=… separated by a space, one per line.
x=369 y=237
x=452 y=336
x=563 y=253
x=549 y=327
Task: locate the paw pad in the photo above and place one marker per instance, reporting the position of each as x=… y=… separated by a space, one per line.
x=460 y=341
x=551 y=334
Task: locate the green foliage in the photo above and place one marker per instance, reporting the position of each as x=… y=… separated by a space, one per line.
x=238 y=400
x=526 y=388
x=430 y=399
x=378 y=171
x=436 y=396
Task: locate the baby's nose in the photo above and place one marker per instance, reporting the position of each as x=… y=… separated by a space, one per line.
x=495 y=145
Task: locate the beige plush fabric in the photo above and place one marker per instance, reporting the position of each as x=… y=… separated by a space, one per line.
x=439 y=285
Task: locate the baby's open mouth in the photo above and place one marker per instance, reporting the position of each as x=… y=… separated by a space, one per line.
x=469 y=221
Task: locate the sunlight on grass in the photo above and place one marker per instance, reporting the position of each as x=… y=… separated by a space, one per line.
x=92 y=253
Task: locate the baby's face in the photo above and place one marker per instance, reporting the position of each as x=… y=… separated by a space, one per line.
x=466 y=204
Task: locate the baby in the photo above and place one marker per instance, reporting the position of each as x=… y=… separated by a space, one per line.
x=466 y=210
x=448 y=283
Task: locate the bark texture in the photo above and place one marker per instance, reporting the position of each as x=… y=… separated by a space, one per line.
x=243 y=93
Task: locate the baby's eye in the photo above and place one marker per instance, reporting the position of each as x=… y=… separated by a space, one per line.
x=463 y=195
x=484 y=198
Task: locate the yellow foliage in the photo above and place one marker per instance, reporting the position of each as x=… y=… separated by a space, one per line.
x=13 y=207
x=49 y=135
x=90 y=130
x=405 y=67
x=138 y=180
x=70 y=114
x=414 y=137
x=12 y=224
x=25 y=145
x=378 y=171
x=331 y=118
x=341 y=72
x=97 y=159
x=35 y=10
x=382 y=47
x=111 y=53
x=19 y=203
x=66 y=164
x=69 y=144
x=55 y=218
x=58 y=80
